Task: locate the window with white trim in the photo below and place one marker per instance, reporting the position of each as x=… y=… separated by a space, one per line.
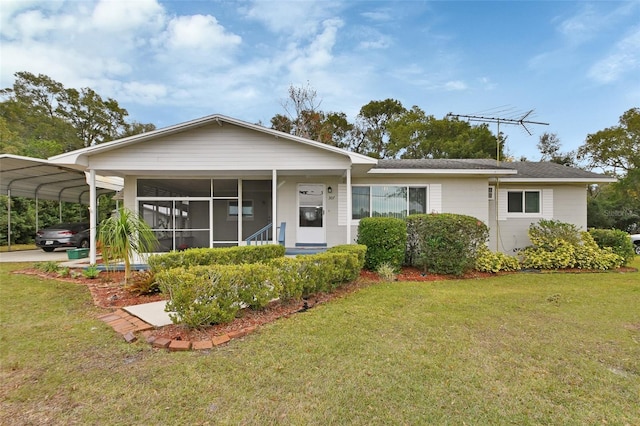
x=388 y=200
x=527 y=202
x=232 y=209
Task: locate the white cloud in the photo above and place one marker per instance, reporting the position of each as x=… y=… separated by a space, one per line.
x=118 y=15
x=455 y=85
x=379 y=15
x=624 y=58
x=199 y=32
x=298 y=19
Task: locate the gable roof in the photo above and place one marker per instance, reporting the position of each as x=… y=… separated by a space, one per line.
x=79 y=158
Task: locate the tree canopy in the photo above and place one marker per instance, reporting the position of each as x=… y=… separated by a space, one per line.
x=616 y=150
x=385 y=129
x=43 y=118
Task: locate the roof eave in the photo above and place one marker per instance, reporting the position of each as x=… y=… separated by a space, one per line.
x=559 y=180
x=487 y=172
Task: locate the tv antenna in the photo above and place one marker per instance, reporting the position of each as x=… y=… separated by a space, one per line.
x=522 y=121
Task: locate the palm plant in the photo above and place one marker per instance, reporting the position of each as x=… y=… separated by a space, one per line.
x=124 y=234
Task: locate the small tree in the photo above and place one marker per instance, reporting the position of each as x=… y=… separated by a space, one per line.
x=124 y=234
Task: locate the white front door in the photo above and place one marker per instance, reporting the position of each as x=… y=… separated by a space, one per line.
x=311 y=224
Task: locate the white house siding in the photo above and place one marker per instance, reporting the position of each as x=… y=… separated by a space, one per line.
x=218 y=148
x=565 y=203
x=460 y=195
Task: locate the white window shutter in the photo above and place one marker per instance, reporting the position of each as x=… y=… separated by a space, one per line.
x=547 y=203
x=435 y=198
x=502 y=204
x=342 y=204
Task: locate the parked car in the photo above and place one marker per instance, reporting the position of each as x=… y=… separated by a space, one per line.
x=635 y=239
x=63 y=235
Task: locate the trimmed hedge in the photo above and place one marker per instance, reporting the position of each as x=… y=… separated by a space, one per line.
x=360 y=250
x=444 y=243
x=619 y=242
x=210 y=294
x=198 y=296
x=215 y=256
x=385 y=239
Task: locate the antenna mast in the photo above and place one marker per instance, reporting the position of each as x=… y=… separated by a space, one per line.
x=522 y=121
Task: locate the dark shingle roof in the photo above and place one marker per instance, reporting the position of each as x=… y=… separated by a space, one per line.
x=440 y=164
x=525 y=169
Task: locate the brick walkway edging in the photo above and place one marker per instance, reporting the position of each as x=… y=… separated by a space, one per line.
x=128 y=325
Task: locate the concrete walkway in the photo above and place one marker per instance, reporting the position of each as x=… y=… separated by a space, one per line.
x=152 y=313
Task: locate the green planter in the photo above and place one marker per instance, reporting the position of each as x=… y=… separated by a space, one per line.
x=78 y=253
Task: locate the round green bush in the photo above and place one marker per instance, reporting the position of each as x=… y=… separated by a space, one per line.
x=386 y=240
x=444 y=243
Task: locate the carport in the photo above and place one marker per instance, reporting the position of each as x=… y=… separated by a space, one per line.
x=40 y=179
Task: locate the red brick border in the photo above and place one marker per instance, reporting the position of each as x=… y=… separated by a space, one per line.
x=127 y=325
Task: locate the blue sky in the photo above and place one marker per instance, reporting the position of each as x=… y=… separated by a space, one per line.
x=577 y=64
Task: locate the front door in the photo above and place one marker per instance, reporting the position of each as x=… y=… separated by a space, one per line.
x=311 y=223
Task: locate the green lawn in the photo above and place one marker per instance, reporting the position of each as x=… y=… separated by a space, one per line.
x=517 y=349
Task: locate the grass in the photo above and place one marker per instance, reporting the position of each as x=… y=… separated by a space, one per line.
x=17 y=247
x=517 y=349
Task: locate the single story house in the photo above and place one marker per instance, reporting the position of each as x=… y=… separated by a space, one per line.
x=218 y=181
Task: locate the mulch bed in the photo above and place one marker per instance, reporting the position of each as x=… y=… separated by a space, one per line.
x=108 y=292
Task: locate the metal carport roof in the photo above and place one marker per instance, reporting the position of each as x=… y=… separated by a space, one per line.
x=41 y=179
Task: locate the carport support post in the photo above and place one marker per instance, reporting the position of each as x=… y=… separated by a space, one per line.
x=9 y=219
x=274 y=205
x=349 y=206
x=93 y=212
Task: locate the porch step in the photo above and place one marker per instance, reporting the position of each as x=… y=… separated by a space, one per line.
x=306 y=248
x=311 y=245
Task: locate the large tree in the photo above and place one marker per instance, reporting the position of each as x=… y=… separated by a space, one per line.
x=616 y=150
x=304 y=118
x=50 y=119
x=549 y=146
x=372 y=134
x=414 y=134
x=40 y=118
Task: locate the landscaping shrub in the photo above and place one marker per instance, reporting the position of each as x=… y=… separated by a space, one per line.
x=288 y=269
x=385 y=239
x=216 y=256
x=209 y=294
x=444 y=243
x=619 y=242
x=548 y=234
x=257 y=283
x=386 y=272
x=559 y=245
x=198 y=296
x=360 y=250
x=489 y=261
x=143 y=282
